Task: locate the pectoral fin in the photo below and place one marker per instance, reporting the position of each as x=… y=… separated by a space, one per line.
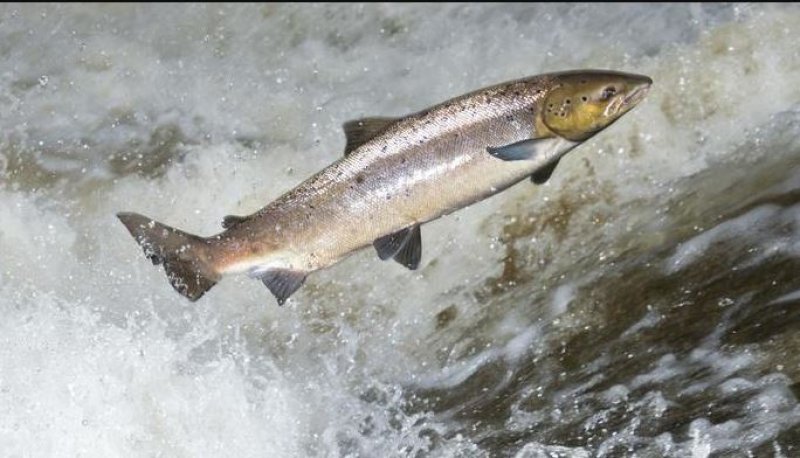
x=404 y=246
x=524 y=150
x=531 y=148
x=363 y=130
x=282 y=283
x=542 y=175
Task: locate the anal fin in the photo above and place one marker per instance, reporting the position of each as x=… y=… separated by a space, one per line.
x=389 y=245
x=411 y=253
x=282 y=283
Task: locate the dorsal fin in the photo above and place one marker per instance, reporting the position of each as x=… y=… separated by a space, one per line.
x=232 y=220
x=360 y=131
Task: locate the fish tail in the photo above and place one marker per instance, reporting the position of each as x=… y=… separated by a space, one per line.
x=185 y=256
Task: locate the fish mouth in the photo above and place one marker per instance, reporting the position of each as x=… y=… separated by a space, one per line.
x=624 y=103
x=638 y=94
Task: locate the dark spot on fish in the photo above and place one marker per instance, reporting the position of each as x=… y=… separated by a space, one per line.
x=509 y=118
x=584 y=98
x=550 y=105
x=359 y=179
x=583 y=81
x=568 y=101
x=383 y=150
x=403 y=160
x=517 y=93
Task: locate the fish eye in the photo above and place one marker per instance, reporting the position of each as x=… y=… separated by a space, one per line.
x=608 y=92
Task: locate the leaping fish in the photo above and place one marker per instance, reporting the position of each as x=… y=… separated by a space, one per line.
x=396 y=174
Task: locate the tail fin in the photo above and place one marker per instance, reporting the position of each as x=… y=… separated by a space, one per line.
x=185 y=256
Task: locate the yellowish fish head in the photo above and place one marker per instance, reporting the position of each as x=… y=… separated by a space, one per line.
x=580 y=104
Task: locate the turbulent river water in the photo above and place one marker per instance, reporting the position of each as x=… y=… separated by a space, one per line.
x=644 y=302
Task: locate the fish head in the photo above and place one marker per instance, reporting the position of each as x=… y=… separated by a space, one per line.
x=581 y=104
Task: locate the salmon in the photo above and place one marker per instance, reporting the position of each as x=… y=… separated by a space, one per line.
x=395 y=175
